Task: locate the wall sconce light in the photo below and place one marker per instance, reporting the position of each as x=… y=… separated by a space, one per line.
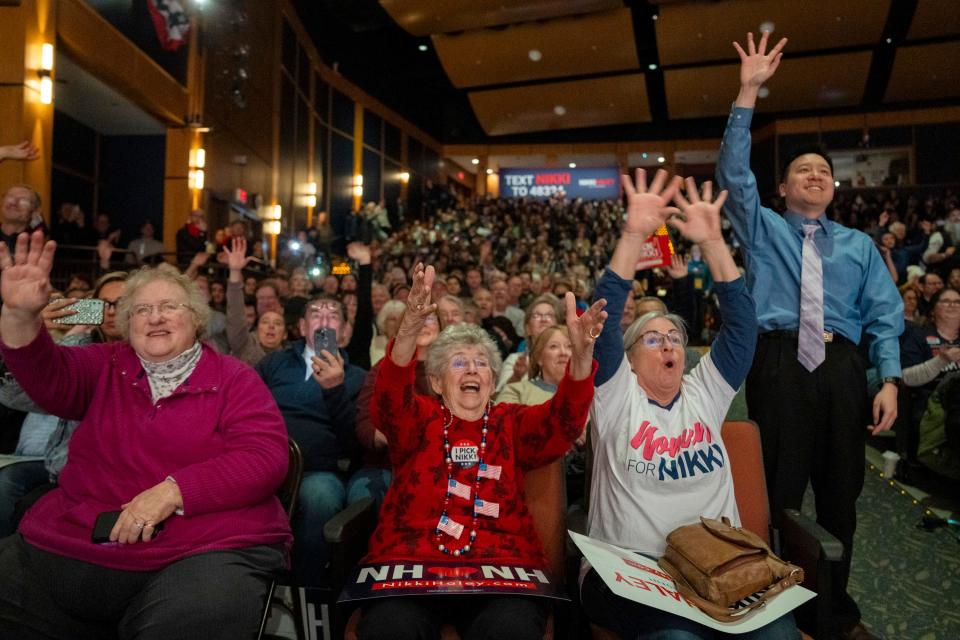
x=196 y=176
x=198 y=158
x=311 y=198
x=358 y=186
x=405 y=177
x=272 y=214
x=46 y=73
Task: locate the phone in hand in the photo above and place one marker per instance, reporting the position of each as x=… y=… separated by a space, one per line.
x=325 y=338
x=88 y=311
x=105 y=523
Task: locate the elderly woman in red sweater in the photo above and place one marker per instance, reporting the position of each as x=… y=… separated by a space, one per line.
x=459 y=464
x=172 y=436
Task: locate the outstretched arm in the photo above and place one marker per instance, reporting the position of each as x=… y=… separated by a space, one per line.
x=418 y=308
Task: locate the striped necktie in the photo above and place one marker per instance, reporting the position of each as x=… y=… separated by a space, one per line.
x=811 y=350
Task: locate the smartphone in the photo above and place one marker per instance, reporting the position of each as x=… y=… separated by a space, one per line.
x=324 y=338
x=104 y=525
x=88 y=311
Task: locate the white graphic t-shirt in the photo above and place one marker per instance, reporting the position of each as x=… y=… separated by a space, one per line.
x=658 y=468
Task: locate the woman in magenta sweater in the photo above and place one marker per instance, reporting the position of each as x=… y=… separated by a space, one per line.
x=187 y=445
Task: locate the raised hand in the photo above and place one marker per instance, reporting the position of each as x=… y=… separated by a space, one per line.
x=756 y=65
x=23 y=151
x=25 y=276
x=360 y=252
x=701 y=217
x=236 y=254
x=414 y=316
x=678 y=267
x=584 y=330
x=647 y=207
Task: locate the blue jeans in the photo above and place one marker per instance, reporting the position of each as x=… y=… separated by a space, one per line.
x=369 y=482
x=629 y=619
x=16 y=481
x=323 y=494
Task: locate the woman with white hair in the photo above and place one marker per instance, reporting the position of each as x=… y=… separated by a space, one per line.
x=172 y=436
x=459 y=463
x=660 y=461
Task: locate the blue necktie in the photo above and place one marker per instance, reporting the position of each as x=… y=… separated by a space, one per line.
x=811 y=350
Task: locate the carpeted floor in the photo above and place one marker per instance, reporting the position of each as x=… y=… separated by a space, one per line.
x=906 y=580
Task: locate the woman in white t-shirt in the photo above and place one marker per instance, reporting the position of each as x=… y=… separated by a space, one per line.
x=660 y=461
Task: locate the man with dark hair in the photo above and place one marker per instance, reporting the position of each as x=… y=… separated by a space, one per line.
x=317 y=395
x=819 y=287
x=929 y=283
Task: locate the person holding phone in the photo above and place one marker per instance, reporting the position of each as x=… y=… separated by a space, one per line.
x=170 y=432
x=316 y=387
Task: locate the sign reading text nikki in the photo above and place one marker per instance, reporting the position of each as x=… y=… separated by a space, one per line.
x=459 y=577
x=601 y=183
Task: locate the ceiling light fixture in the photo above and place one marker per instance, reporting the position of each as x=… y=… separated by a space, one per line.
x=763 y=92
x=767 y=26
x=652 y=66
x=475 y=161
x=661 y=159
x=560 y=110
x=423 y=47
x=489 y=172
x=572 y=165
x=535 y=55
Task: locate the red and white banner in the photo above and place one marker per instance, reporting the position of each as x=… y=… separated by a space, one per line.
x=171 y=22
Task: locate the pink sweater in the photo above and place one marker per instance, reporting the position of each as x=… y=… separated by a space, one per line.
x=220 y=436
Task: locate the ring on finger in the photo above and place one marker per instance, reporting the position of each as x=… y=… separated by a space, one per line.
x=138 y=525
x=593 y=336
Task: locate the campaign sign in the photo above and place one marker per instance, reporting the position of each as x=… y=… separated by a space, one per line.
x=638 y=578
x=589 y=184
x=657 y=251
x=387 y=579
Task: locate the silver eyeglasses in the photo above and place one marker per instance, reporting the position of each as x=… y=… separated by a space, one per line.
x=462 y=363
x=167 y=309
x=655 y=339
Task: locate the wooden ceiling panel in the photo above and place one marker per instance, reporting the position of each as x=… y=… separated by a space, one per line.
x=595 y=102
x=805 y=83
x=583 y=45
x=935 y=18
x=699 y=32
x=925 y=72
x=424 y=17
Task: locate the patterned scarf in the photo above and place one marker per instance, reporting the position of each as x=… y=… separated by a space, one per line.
x=165 y=377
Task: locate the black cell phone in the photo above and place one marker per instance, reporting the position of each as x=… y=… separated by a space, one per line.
x=104 y=525
x=325 y=338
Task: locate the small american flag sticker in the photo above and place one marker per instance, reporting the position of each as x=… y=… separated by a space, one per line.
x=450 y=527
x=489 y=471
x=483 y=508
x=459 y=489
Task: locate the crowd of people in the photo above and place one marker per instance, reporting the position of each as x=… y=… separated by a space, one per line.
x=529 y=322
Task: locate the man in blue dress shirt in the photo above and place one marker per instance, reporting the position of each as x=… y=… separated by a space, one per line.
x=807 y=387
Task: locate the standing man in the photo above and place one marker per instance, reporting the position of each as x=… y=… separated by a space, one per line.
x=819 y=287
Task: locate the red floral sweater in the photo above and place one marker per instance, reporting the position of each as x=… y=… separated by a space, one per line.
x=519 y=438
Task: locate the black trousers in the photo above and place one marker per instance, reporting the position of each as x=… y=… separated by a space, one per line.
x=813 y=427
x=217 y=594
x=476 y=617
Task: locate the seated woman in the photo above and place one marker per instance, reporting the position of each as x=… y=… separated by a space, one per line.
x=928 y=353
x=641 y=488
x=542 y=313
x=271 y=330
x=171 y=435
x=422 y=518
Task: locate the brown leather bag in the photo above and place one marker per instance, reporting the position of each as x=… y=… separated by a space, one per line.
x=716 y=566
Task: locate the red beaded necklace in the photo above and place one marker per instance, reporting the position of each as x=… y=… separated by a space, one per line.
x=438 y=533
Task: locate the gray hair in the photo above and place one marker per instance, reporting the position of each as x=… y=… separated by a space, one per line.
x=389 y=308
x=544 y=298
x=636 y=329
x=163 y=272
x=461 y=335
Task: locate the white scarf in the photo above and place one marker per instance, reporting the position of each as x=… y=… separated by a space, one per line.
x=165 y=377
